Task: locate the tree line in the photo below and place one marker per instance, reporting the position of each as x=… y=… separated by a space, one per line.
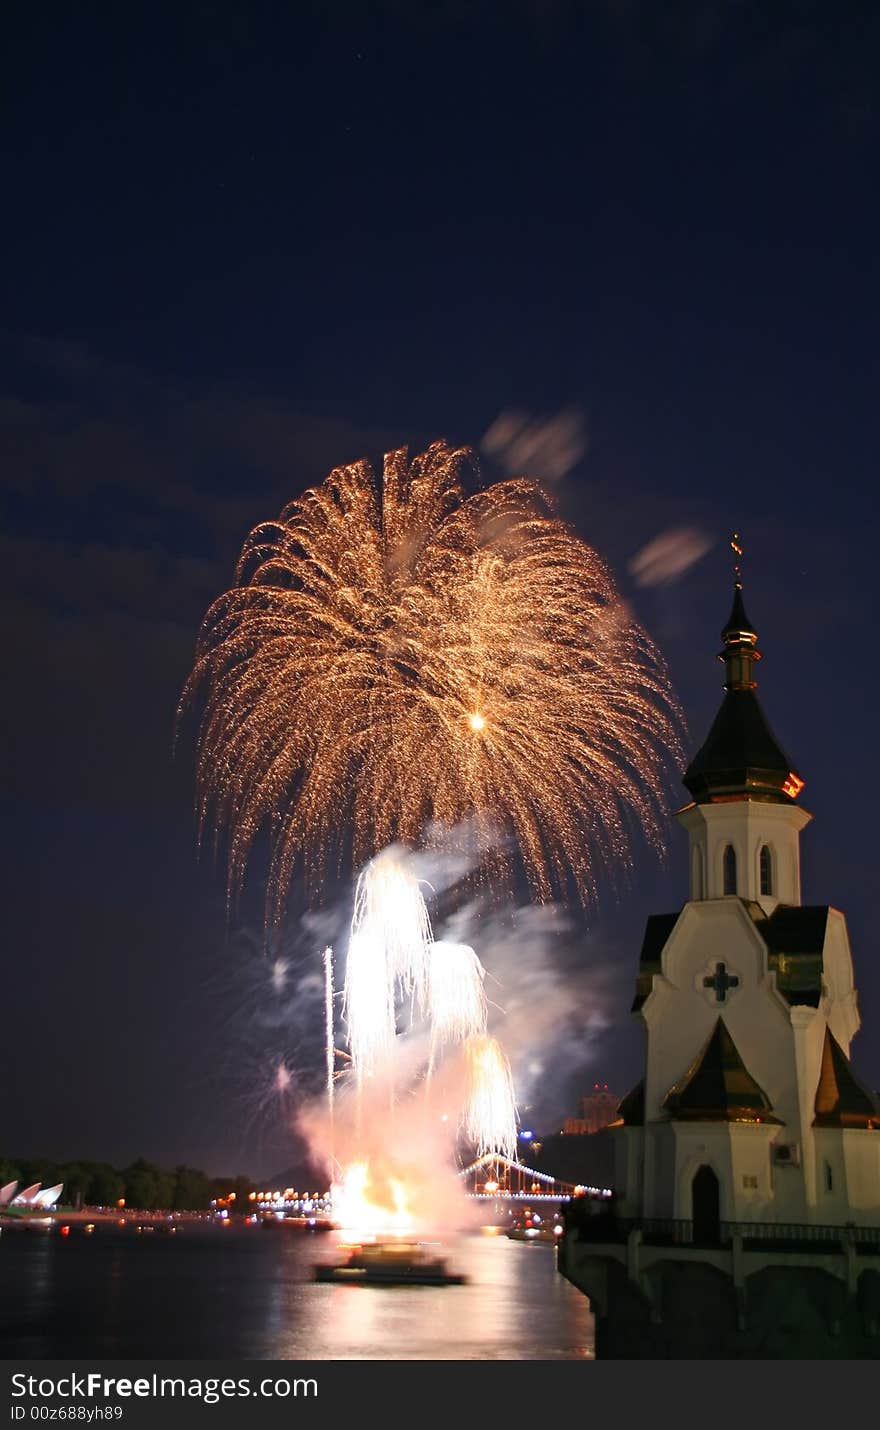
x=140 y=1185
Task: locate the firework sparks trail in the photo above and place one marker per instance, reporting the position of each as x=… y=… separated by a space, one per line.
x=388 y=956
x=456 y=996
x=369 y=1004
x=489 y=1117
x=330 y=1041
x=389 y=903
x=401 y=656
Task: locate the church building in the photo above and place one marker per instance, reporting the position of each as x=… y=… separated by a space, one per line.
x=750 y=1150
x=749 y=1110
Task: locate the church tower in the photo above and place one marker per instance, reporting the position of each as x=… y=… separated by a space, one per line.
x=744 y=825
x=749 y=1110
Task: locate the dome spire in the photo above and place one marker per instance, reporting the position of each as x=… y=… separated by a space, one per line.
x=739 y=635
x=741 y=758
x=738 y=551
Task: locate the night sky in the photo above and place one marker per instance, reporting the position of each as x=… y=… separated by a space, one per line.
x=245 y=243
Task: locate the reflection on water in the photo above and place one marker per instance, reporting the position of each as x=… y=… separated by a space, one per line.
x=248 y=1294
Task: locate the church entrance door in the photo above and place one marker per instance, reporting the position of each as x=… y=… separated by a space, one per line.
x=706 y=1207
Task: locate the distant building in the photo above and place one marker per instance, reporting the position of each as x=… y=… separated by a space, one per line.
x=598 y=1110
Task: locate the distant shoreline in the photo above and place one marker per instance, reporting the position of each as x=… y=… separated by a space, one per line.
x=119 y=1216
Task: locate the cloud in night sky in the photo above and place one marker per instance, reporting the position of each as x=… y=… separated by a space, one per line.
x=545 y=448
x=668 y=556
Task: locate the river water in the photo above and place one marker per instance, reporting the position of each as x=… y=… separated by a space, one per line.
x=245 y=1292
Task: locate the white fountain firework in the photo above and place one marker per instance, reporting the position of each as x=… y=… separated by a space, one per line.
x=391 y=957
x=489 y=1116
x=456 y=997
x=388 y=955
x=369 y=1003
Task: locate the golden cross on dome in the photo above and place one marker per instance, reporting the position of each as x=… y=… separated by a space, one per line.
x=737 y=549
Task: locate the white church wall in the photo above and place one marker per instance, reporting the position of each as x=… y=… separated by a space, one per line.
x=660 y=1158
x=752 y=1188
x=831 y=1208
x=663 y=1041
x=787 y=1183
x=808 y=1028
x=861 y=1156
x=745 y=825
x=628 y=1160
x=681 y=1011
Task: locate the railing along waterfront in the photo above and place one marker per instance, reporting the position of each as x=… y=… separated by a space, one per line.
x=667 y=1231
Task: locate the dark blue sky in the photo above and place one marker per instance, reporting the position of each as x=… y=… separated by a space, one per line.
x=245 y=243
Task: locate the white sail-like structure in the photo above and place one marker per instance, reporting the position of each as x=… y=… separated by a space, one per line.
x=48 y=1196
x=26 y=1198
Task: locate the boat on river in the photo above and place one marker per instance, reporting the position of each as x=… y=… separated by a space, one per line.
x=389 y=1263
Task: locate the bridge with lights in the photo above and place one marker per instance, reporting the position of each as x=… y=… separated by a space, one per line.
x=493 y=1178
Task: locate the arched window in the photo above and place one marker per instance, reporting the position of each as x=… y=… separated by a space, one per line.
x=698 y=885
x=766 y=869
x=730 y=870
x=829 y=1178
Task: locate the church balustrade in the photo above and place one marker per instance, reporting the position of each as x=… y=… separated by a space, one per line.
x=668 y=1231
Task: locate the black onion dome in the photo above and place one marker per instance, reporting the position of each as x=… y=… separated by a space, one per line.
x=741 y=756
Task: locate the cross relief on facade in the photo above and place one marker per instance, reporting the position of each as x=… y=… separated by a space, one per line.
x=722 y=982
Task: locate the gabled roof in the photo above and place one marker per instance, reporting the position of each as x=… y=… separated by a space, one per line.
x=718 y=1087
x=631 y=1109
x=842 y=1099
x=657 y=931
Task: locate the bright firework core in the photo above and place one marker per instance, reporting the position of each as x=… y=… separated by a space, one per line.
x=476 y=721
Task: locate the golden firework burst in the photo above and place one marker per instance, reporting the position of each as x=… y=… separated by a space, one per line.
x=397 y=657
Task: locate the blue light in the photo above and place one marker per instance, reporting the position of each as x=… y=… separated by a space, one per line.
x=526 y=1136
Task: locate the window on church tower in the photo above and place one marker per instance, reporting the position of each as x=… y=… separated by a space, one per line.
x=698 y=883
x=829 y=1178
x=730 y=870
x=766 y=869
